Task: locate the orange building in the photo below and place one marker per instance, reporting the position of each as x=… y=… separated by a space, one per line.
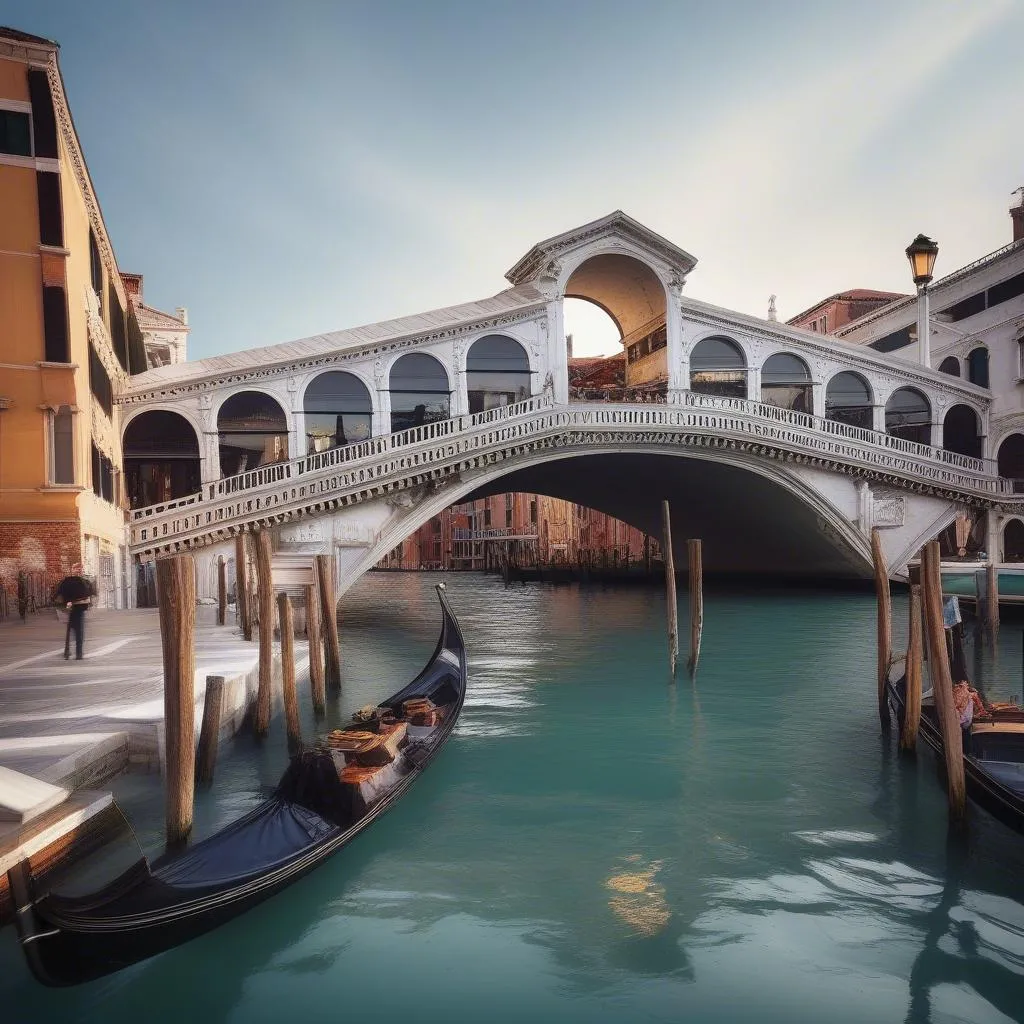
x=70 y=339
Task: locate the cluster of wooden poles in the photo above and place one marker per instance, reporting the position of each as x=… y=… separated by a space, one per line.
x=176 y=600
x=926 y=640
x=696 y=583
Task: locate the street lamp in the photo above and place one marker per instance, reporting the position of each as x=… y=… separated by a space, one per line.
x=921 y=253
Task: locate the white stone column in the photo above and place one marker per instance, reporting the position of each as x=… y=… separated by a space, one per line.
x=754 y=384
x=677 y=381
x=209 y=463
x=818 y=400
x=937 y=434
x=878 y=418
x=557 y=352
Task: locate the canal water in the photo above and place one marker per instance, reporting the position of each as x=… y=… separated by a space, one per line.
x=598 y=844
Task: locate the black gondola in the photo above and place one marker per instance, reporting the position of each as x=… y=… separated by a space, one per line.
x=315 y=811
x=994 y=768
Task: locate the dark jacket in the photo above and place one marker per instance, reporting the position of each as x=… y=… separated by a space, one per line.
x=74 y=589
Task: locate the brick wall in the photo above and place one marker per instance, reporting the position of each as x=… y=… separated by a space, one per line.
x=47 y=548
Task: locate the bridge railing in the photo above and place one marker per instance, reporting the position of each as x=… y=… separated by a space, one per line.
x=373 y=448
x=385 y=461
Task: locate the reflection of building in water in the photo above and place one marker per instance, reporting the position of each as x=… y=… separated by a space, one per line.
x=637 y=899
x=528 y=531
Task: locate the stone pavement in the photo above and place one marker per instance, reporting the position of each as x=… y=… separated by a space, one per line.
x=72 y=723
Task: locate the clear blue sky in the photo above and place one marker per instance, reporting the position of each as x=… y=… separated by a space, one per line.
x=283 y=169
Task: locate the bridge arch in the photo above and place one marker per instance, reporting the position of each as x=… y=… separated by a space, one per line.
x=420 y=390
x=252 y=431
x=337 y=409
x=498 y=373
x=961 y=431
x=786 y=382
x=162 y=458
x=908 y=414
x=718 y=366
x=848 y=399
x=623 y=284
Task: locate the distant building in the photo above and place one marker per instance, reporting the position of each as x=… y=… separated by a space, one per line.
x=838 y=310
x=71 y=338
x=529 y=529
x=165 y=336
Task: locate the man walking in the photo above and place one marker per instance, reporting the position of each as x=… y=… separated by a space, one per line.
x=75 y=591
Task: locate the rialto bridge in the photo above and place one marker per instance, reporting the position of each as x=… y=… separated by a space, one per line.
x=781 y=448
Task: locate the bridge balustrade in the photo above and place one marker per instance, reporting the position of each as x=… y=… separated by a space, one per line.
x=383 y=462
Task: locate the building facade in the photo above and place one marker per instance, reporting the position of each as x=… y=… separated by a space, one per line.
x=70 y=340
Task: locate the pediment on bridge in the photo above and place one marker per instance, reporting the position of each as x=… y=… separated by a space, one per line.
x=545 y=260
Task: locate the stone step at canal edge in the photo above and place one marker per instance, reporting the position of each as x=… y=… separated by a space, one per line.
x=73 y=829
x=23 y=798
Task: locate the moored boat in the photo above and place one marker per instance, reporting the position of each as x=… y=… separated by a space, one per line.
x=328 y=795
x=994 y=765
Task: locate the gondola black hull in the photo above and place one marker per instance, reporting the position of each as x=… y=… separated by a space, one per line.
x=150 y=909
x=1002 y=802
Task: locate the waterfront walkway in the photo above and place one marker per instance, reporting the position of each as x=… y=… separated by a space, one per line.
x=71 y=723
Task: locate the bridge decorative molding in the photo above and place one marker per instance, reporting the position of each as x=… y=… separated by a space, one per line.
x=427 y=456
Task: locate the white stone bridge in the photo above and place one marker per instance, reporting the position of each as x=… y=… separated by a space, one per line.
x=780 y=447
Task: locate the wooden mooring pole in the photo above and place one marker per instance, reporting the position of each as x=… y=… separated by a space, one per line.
x=329 y=619
x=696 y=567
x=176 y=597
x=992 y=575
x=316 y=651
x=265 y=598
x=884 y=599
x=222 y=591
x=912 y=700
x=670 y=587
x=942 y=683
x=291 y=700
x=209 y=733
x=242 y=586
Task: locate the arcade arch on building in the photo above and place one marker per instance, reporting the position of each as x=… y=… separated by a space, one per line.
x=950 y=365
x=848 y=400
x=977 y=366
x=497 y=373
x=252 y=431
x=1013 y=541
x=338 y=411
x=786 y=383
x=960 y=431
x=718 y=367
x=420 y=391
x=1010 y=460
x=161 y=458
x=909 y=416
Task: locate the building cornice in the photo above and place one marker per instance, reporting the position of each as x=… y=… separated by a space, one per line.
x=132 y=396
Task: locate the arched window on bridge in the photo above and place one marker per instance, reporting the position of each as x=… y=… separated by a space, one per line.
x=908 y=415
x=338 y=411
x=252 y=432
x=848 y=400
x=786 y=382
x=960 y=431
x=1013 y=541
x=161 y=458
x=1010 y=460
x=977 y=366
x=950 y=365
x=718 y=367
x=497 y=373
x=420 y=392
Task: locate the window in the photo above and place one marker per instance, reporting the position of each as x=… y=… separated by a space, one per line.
x=62 y=446
x=977 y=366
x=487 y=515
x=99 y=382
x=102 y=475
x=51 y=226
x=55 y=324
x=95 y=268
x=15 y=133
x=508 y=518
x=533 y=511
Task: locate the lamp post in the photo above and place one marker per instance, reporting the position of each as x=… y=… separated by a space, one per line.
x=921 y=253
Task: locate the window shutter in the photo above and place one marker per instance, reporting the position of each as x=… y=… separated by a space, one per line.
x=51 y=225
x=43 y=121
x=55 y=325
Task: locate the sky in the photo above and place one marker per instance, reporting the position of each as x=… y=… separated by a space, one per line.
x=285 y=169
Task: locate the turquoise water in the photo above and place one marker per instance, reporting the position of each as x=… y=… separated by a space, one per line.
x=597 y=844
